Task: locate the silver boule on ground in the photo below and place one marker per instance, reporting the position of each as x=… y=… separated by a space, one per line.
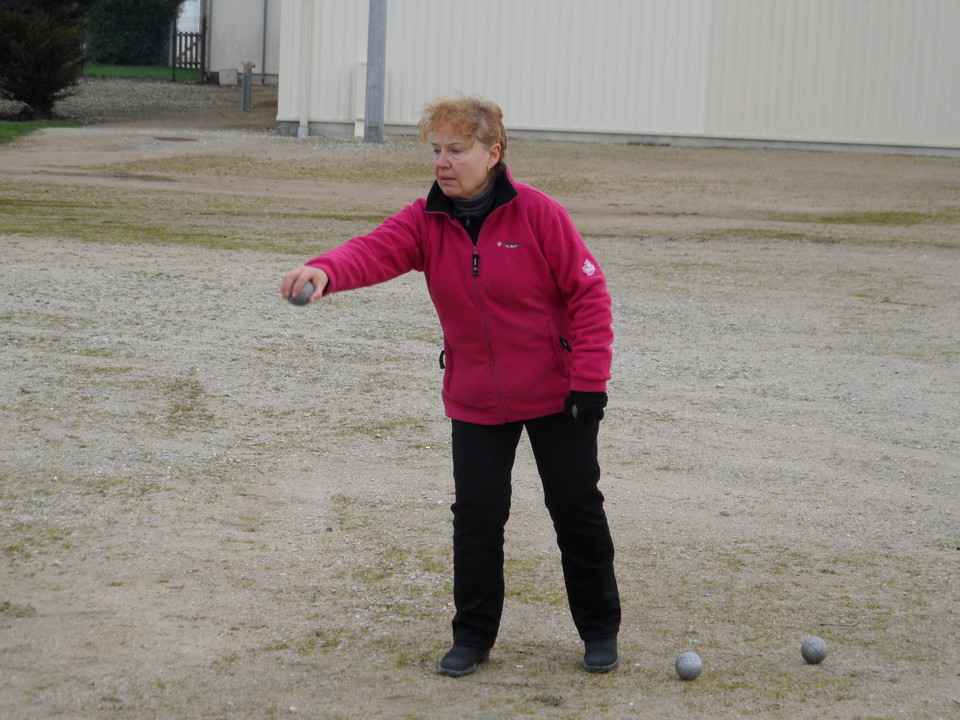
x=813 y=650
x=688 y=666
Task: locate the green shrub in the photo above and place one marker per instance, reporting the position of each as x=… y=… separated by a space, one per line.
x=41 y=51
x=132 y=32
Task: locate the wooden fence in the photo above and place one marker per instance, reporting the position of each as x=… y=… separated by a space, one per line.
x=189 y=51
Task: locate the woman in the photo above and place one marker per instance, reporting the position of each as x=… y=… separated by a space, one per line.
x=527 y=336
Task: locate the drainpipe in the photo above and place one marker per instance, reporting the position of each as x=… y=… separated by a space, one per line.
x=263 y=49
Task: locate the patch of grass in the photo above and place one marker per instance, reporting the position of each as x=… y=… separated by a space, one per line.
x=945 y=216
x=332 y=639
x=96 y=371
x=187 y=408
x=142 y=72
x=34 y=539
x=137 y=217
x=763 y=234
x=406 y=578
x=362 y=169
x=10 y=131
x=534 y=580
x=8 y=609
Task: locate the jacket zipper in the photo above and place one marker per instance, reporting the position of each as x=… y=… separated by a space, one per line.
x=475 y=272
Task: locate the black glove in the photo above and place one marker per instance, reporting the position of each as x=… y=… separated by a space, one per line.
x=585 y=408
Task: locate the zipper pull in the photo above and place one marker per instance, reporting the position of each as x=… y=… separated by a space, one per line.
x=476 y=263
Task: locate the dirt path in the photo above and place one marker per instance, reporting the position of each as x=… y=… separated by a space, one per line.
x=214 y=504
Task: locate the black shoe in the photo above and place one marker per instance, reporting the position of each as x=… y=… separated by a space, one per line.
x=462 y=660
x=600 y=656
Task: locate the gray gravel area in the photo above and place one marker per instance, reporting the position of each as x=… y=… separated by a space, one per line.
x=105 y=100
x=214 y=504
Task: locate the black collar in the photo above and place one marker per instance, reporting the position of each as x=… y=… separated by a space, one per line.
x=503 y=193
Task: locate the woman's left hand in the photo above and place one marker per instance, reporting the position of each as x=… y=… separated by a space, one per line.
x=586 y=408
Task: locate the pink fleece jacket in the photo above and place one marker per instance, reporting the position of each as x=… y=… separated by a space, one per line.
x=525 y=313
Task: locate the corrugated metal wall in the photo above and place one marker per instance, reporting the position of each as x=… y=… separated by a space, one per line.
x=336 y=34
x=611 y=66
x=875 y=71
x=843 y=71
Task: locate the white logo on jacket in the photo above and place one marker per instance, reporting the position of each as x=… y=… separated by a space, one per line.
x=588 y=268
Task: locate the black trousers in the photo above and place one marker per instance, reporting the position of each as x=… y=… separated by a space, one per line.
x=566 y=456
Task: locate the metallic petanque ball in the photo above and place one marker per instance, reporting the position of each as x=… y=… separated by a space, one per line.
x=304 y=295
x=689 y=666
x=814 y=650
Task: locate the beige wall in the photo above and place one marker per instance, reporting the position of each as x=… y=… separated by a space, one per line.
x=236 y=29
x=882 y=72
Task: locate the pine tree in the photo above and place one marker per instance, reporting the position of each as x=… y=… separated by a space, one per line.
x=41 y=51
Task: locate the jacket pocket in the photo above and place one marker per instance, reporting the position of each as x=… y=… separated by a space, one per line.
x=446 y=364
x=561 y=350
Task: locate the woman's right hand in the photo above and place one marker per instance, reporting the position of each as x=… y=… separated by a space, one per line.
x=294 y=281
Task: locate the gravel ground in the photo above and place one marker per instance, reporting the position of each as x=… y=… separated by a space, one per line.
x=104 y=100
x=215 y=504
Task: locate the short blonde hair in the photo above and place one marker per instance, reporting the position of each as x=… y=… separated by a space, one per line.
x=466 y=115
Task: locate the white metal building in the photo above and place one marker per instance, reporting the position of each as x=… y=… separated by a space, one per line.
x=246 y=31
x=835 y=73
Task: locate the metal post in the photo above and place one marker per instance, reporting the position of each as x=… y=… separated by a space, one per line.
x=248 y=85
x=376 y=72
x=306 y=66
x=203 y=48
x=173 y=51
